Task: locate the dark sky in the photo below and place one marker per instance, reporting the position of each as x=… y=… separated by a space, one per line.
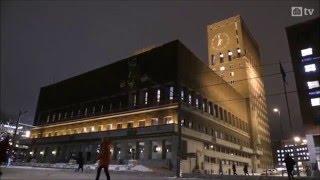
x=43 y=42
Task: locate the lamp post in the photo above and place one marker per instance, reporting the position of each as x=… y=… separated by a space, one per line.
x=277 y=111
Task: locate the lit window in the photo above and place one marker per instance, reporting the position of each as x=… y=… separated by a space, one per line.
x=232 y=74
x=306 y=52
x=222 y=68
x=134 y=100
x=212 y=59
x=182 y=95
x=230 y=53
x=158 y=95
x=310 y=68
x=221 y=58
x=197 y=102
x=142 y=123
x=168 y=120
x=146 y=98
x=119 y=126
x=239 y=50
x=109 y=126
x=313 y=84
x=154 y=121
x=314 y=93
x=315 y=101
x=171 y=93
x=190 y=98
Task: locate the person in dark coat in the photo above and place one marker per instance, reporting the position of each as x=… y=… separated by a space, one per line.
x=4 y=146
x=80 y=162
x=104 y=158
x=289 y=165
x=245 y=169
x=234 y=169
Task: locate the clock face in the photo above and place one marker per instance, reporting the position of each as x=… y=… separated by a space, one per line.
x=220 y=41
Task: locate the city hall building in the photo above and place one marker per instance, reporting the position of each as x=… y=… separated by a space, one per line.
x=164 y=108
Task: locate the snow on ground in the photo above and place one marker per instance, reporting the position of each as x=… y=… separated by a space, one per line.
x=127 y=167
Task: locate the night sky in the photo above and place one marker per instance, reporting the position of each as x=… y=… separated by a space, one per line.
x=43 y=42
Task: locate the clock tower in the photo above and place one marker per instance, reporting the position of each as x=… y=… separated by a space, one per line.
x=233 y=54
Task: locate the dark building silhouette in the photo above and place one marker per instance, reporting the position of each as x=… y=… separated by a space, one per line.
x=304 y=43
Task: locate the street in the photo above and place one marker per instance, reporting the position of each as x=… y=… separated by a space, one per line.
x=32 y=173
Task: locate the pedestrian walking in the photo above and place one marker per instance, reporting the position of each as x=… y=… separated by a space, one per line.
x=80 y=162
x=234 y=169
x=104 y=158
x=289 y=165
x=308 y=171
x=245 y=169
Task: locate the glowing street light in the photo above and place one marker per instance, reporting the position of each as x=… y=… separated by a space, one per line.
x=275 y=110
x=297 y=139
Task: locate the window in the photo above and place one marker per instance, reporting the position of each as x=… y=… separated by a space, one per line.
x=313 y=84
x=197 y=102
x=222 y=68
x=221 y=58
x=216 y=111
x=158 y=95
x=130 y=125
x=142 y=123
x=134 y=99
x=238 y=51
x=229 y=55
x=232 y=74
x=146 y=97
x=171 y=93
x=212 y=59
x=154 y=121
x=93 y=109
x=315 y=101
x=306 y=52
x=190 y=99
x=119 y=126
x=182 y=95
x=168 y=120
x=310 y=68
x=109 y=126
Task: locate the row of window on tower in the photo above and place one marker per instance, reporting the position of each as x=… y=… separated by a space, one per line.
x=229 y=55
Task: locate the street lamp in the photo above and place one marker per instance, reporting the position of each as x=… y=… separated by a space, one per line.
x=297 y=139
x=277 y=110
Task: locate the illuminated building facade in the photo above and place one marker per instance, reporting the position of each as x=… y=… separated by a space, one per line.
x=304 y=44
x=297 y=150
x=138 y=103
x=234 y=55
